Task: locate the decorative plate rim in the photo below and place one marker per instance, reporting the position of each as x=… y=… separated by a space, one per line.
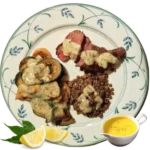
x=74 y=3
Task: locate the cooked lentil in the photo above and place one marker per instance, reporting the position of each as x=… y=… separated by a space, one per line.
x=102 y=87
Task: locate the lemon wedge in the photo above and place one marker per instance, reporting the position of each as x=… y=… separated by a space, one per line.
x=54 y=134
x=35 y=138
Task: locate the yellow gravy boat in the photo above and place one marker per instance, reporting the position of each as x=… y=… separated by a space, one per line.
x=121 y=130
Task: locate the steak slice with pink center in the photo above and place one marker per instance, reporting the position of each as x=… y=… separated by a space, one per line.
x=76 y=36
x=87 y=56
x=60 y=54
x=71 y=46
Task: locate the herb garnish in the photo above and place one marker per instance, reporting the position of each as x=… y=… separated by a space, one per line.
x=17 y=131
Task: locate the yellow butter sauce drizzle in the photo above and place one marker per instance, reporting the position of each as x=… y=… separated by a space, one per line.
x=120 y=126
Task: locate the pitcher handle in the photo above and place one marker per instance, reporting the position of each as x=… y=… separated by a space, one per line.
x=0 y=66
x=141 y=118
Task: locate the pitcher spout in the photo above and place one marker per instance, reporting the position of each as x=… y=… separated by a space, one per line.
x=106 y=135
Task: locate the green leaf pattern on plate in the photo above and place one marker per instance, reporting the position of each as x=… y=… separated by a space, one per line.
x=22 y=112
x=77 y=137
x=130 y=106
x=15 y=51
x=116 y=111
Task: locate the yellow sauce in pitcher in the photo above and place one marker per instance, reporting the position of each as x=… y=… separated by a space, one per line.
x=120 y=126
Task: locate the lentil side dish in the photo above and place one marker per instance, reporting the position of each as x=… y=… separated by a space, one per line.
x=102 y=88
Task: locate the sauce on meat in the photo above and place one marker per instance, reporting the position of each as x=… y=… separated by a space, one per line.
x=70 y=48
x=91 y=56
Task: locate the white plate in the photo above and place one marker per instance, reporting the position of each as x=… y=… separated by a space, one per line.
x=48 y=28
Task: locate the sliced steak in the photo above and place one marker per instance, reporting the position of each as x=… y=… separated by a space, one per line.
x=73 y=43
x=76 y=44
x=85 y=44
x=92 y=68
x=89 y=46
x=119 y=53
x=60 y=54
x=76 y=36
